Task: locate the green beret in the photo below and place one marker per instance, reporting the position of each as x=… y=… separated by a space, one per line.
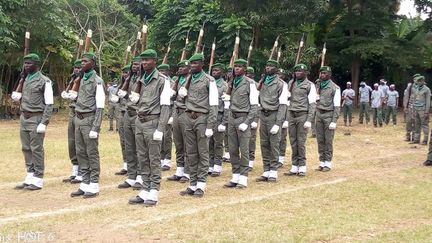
x=149 y=53
x=218 y=65
x=32 y=57
x=300 y=67
x=419 y=78
x=416 y=75
x=325 y=69
x=77 y=63
x=89 y=55
x=137 y=59
x=273 y=62
x=250 y=70
x=240 y=62
x=126 y=68
x=197 y=57
x=163 y=66
x=183 y=63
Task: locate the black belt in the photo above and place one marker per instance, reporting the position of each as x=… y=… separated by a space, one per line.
x=238 y=114
x=145 y=118
x=298 y=113
x=82 y=115
x=267 y=112
x=323 y=111
x=28 y=114
x=194 y=115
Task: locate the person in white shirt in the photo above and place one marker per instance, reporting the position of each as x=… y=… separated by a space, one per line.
x=392 y=104
x=377 y=98
x=348 y=97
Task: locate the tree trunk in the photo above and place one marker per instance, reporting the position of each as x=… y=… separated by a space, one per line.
x=355 y=75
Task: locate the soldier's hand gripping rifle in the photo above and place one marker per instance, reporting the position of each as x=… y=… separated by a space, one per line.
x=135 y=94
x=272 y=53
x=73 y=76
x=183 y=90
x=17 y=94
x=120 y=93
x=73 y=93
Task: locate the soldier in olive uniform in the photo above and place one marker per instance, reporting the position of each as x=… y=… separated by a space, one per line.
x=75 y=176
x=153 y=95
x=273 y=101
x=327 y=113
x=182 y=171
x=90 y=102
x=250 y=73
x=408 y=108
x=200 y=117
x=216 y=141
x=284 y=130
x=242 y=110
x=168 y=137
x=421 y=108
x=113 y=107
x=36 y=109
x=133 y=168
x=301 y=111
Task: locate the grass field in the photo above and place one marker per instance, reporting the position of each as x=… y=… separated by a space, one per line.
x=378 y=191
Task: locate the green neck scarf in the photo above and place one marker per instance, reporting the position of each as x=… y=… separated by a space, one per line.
x=299 y=81
x=237 y=80
x=269 y=79
x=30 y=76
x=419 y=87
x=324 y=83
x=197 y=76
x=219 y=81
x=182 y=80
x=88 y=75
x=148 y=77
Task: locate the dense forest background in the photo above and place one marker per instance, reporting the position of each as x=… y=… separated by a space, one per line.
x=366 y=40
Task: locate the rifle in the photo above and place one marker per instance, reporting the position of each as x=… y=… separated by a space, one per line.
x=249 y=52
x=123 y=82
x=324 y=50
x=279 y=54
x=233 y=58
x=212 y=55
x=77 y=81
x=73 y=76
x=299 y=50
x=23 y=74
x=275 y=45
x=137 y=43
x=184 y=51
x=165 y=59
x=197 y=50
x=144 y=37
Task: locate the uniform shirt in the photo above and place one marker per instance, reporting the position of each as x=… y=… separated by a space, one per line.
x=132 y=86
x=274 y=97
x=155 y=98
x=347 y=94
x=112 y=90
x=409 y=95
x=422 y=98
x=392 y=97
x=91 y=97
x=384 y=89
x=179 y=102
x=364 y=93
x=330 y=99
x=376 y=98
x=244 y=98
x=38 y=95
x=303 y=97
x=203 y=97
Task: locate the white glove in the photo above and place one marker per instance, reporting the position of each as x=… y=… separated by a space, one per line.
x=170 y=121
x=73 y=95
x=307 y=124
x=226 y=105
x=242 y=127
x=121 y=93
x=93 y=134
x=64 y=95
x=226 y=97
x=221 y=128
x=209 y=132
x=254 y=125
x=182 y=92
x=274 y=129
x=41 y=128
x=332 y=125
x=173 y=92
x=157 y=135
x=114 y=98
x=134 y=97
x=285 y=124
x=16 y=96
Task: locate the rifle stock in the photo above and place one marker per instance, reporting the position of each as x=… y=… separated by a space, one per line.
x=77 y=81
x=144 y=37
x=275 y=45
x=324 y=51
x=212 y=55
x=299 y=50
x=23 y=74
